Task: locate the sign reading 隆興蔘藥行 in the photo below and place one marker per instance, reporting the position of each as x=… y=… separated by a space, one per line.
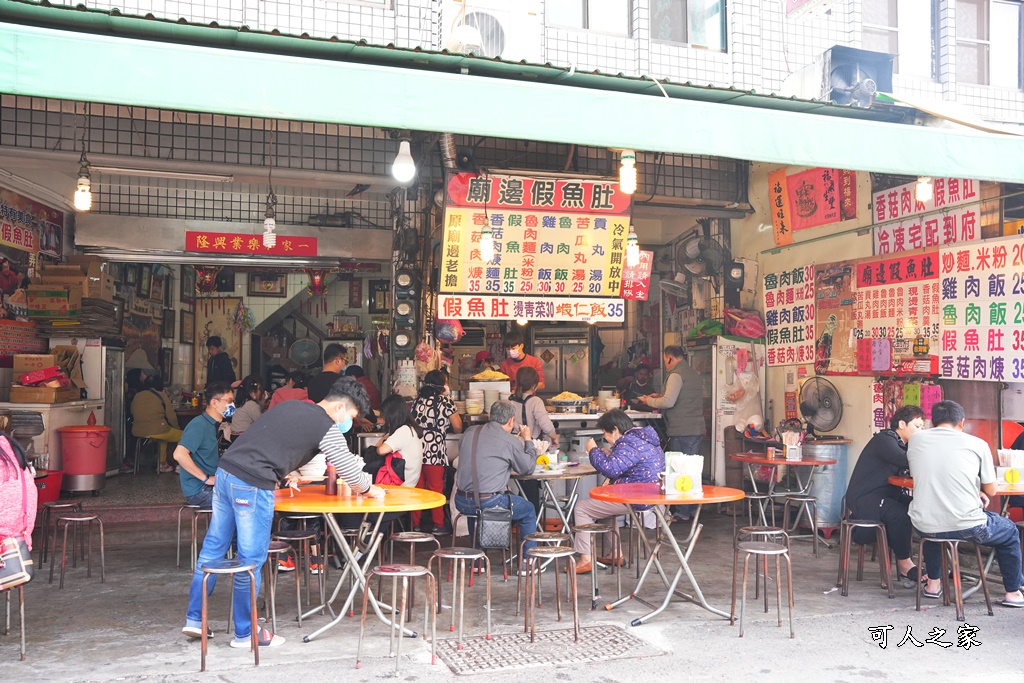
x=981 y=313
x=789 y=316
x=903 y=224
x=552 y=238
x=511 y=307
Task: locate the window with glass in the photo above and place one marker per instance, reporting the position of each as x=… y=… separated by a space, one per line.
x=600 y=16
x=988 y=42
x=905 y=28
x=693 y=22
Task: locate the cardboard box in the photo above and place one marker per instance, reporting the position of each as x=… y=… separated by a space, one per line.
x=30 y=362
x=40 y=376
x=101 y=287
x=21 y=394
x=53 y=301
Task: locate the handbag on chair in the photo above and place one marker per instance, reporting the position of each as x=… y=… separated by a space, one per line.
x=494 y=524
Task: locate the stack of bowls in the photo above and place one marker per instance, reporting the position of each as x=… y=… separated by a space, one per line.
x=474 y=402
x=504 y=395
x=460 y=406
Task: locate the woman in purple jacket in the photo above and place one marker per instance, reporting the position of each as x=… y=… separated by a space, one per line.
x=636 y=457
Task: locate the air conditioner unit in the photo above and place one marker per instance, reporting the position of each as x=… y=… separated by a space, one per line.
x=492 y=28
x=843 y=75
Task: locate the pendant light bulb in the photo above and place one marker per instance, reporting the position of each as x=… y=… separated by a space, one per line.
x=270 y=222
x=522 y=322
x=83 y=194
x=632 y=249
x=924 y=190
x=627 y=171
x=404 y=167
x=486 y=246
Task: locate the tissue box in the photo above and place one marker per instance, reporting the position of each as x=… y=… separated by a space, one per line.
x=683 y=474
x=794 y=453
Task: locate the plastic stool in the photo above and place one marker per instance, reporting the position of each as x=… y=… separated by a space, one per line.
x=277 y=549
x=549 y=537
x=951 y=546
x=804 y=504
x=76 y=521
x=534 y=556
x=764 y=505
x=595 y=591
x=765 y=549
x=60 y=506
x=405 y=572
x=21 y=611
x=232 y=567
x=458 y=557
x=755 y=533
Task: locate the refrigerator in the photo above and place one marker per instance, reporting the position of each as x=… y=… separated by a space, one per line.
x=733 y=374
x=564 y=353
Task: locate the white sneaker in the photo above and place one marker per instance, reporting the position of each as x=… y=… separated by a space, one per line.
x=197 y=632
x=264 y=637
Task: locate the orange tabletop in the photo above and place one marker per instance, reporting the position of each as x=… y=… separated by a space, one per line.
x=574 y=472
x=397 y=499
x=648 y=494
x=1002 y=488
x=763 y=459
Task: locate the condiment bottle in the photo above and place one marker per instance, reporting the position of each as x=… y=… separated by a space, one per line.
x=331 y=486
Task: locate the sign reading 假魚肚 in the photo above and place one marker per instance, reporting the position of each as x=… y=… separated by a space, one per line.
x=553 y=239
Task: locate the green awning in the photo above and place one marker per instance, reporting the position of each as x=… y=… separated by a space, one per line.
x=47 y=62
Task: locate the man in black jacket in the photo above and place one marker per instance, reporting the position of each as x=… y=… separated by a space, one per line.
x=218 y=367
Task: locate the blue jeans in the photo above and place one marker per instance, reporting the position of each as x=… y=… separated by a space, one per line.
x=691 y=446
x=998 y=532
x=243 y=511
x=523 y=512
x=204 y=499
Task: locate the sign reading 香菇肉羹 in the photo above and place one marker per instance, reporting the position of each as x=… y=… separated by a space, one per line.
x=552 y=237
x=902 y=223
x=239 y=243
x=501 y=307
x=981 y=312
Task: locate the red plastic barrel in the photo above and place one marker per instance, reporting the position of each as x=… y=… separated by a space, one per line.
x=84 y=449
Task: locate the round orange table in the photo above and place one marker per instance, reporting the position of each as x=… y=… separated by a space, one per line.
x=313 y=500
x=650 y=494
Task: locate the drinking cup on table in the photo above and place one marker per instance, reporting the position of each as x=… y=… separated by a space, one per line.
x=771 y=451
x=344 y=489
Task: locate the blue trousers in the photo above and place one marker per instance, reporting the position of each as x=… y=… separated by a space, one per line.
x=998 y=532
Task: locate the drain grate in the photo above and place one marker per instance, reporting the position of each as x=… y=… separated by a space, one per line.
x=514 y=650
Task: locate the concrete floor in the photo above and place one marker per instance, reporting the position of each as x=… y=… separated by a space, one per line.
x=128 y=629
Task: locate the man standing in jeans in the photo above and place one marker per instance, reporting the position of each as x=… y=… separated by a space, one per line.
x=280 y=442
x=682 y=404
x=953 y=481
x=495 y=453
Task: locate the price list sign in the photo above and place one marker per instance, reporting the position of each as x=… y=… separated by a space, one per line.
x=982 y=311
x=903 y=224
x=789 y=316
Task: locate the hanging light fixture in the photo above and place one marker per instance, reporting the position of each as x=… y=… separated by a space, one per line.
x=627 y=171
x=923 y=191
x=270 y=222
x=404 y=167
x=522 y=322
x=632 y=249
x=83 y=195
x=486 y=245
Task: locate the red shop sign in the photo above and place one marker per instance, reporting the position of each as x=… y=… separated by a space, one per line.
x=238 y=243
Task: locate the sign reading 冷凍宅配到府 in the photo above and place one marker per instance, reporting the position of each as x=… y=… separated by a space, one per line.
x=904 y=224
x=981 y=310
x=238 y=243
x=557 y=238
x=500 y=307
x=789 y=316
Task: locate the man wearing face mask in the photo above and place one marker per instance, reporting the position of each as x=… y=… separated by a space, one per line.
x=280 y=442
x=518 y=358
x=196 y=452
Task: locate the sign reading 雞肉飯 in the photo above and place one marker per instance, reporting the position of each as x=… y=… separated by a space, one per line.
x=552 y=237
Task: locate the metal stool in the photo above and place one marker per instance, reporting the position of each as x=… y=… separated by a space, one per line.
x=277 y=549
x=140 y=443
x=473 y=540
x=846 y=527
x=534 y=556
x=759 y=549
x=405 y=572
x=555 y=538
x=196 y=513
x=754 y=533
x=21 y=611
x=303 y=539
x=458 y=557
x=804 y=505
x=595 y=590
x=764 y=505
x=412 y=538
x=48 y=509
x=232 y=567
x=76 y=521
x=952 y=547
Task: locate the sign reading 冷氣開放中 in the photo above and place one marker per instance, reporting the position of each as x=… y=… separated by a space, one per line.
x=552 y=237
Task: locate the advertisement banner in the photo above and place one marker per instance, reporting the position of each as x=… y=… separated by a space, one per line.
x=576 y=309
x=237 y=243
x=789 y=316
x=636 y=281
x=982 y=310
x=778 y=199
x=821 y=196
x=27 y=225
x=903 y=224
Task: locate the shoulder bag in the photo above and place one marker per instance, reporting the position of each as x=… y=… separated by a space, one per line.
x=494 y=524
x=16 y=566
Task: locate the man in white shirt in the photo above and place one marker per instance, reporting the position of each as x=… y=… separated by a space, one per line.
x=953 y=480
